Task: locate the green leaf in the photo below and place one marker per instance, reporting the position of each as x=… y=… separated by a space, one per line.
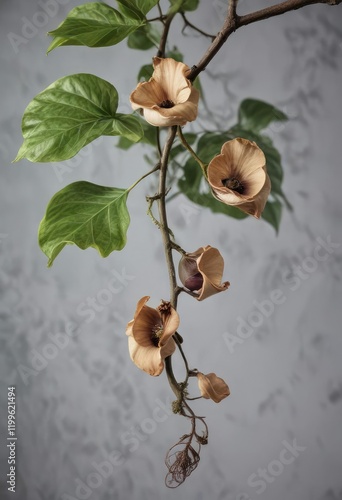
x=183 y=5
x=210 y=145
x=149 y=136
x=143 y=6
x=193 y=185
x=94 y=25
x=144 y=38
x=272 y=213
x=86 y=215
x=145 y=73
x=255 y=115
x=71 y=113
x=127 y=126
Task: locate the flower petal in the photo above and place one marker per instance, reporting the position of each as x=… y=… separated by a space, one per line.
x=212 y=387
x=147 y=95
x=256 y=206
x=177 y=115
x=171 y=323
x=210 y=265
x=244 y=155
x=170 y=75
x=155 y=118
x=147 y=359
x=145 y=320
x=219 y=168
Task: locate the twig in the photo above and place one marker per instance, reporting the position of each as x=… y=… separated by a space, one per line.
x=163 y=39
x=160 y=10
x=192 y=26
x=232 y=8
x=233 y=22
x=159 y=18
x=157 y=167
x=191 y=151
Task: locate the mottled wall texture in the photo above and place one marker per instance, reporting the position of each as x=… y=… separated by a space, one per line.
x=278 y=436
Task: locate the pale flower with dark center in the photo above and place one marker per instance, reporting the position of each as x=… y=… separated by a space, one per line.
x=238 y=176
x=168 y=98
x=150 y=335
x=201 y=272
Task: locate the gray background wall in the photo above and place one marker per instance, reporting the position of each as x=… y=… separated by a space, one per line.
x=285 y=378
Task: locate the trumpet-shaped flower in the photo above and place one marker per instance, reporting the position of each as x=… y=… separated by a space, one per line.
x=238 y=176
x=201 y=272
x=168 y=98
x=150 y=335
x=212 y=387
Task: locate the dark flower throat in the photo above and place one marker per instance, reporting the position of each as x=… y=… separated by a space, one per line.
x=166 y=104
x=234 y=184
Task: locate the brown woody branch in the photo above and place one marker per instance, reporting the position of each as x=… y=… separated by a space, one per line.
x=164 y=228
x=234 y=22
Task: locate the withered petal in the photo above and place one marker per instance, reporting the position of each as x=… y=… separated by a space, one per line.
x=145 y=320
x=245 y=155
x=210 y=265
x=147 y=359
x=212 y=387
x=171 y=324
x=170 y=75
x=257 y=205
x=147 y=95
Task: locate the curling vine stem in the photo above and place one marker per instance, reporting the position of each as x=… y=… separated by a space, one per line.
x=157 y=167
x=191 y=151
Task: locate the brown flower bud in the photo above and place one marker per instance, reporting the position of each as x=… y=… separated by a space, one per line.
x=212 y=387
x=201 y=272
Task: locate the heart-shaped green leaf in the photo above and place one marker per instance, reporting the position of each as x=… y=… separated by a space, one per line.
x=143 y=6
x=71 y=113
x=183 y=5
x=95 y=24
x=272 y=213
x=255 y=115
x=86 y=215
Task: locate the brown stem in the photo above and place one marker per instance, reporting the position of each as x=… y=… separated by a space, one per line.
x=163 y=39
x=192 y=26
x=281 y=8
x=232 y=8
x=233 y=22
x=160 y=10
x=164 y=228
